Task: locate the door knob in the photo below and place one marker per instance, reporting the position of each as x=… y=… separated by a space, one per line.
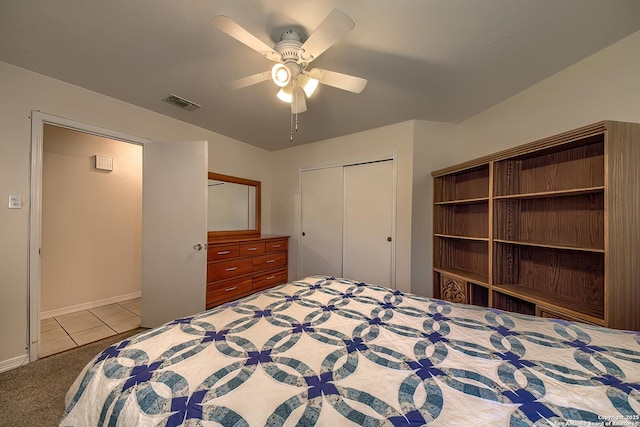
x=197 y=247
x=303 y=233
x=388 y=239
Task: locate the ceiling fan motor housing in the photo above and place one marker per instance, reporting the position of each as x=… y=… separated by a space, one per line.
x=289 y=47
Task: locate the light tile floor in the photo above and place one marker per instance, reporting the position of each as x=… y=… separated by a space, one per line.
x=64 y=332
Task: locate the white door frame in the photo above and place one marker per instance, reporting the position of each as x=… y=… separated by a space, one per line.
x=38 y=120
x=394 y=159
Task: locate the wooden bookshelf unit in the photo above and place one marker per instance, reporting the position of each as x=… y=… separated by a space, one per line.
x=550 y=228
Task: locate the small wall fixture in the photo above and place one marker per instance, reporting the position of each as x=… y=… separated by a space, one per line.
x=104 y=163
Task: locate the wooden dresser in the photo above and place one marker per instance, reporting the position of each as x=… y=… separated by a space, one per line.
x=236 y=268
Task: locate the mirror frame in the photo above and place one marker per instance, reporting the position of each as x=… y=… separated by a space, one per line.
x=218 y=236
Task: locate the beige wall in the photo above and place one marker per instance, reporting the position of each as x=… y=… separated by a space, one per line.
x=23 y=91
x=420 y=146
x=390 y=140
x=91 y=221
x=603 y=86
x=433 y=149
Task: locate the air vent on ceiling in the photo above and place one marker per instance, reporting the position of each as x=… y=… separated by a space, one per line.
x=178 y=101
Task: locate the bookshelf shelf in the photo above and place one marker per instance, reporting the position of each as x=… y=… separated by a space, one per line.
x=546 y=228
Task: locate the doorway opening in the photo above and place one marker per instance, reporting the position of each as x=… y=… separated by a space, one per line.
x=85 y=234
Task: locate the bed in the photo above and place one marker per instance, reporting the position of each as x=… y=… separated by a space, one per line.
x=336 y=352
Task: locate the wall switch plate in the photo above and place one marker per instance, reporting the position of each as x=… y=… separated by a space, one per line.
x=15 y=202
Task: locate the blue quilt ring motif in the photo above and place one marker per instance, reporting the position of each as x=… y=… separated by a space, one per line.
x=356 y=325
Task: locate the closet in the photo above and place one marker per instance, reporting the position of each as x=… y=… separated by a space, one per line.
x=348 y=222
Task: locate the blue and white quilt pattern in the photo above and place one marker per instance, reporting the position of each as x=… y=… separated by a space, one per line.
x=335 y=352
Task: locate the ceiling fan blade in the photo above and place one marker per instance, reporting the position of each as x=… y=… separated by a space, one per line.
x=299 y=103
x=232 y=29
x=332 y=29
x=341 y=81
x=247 y=81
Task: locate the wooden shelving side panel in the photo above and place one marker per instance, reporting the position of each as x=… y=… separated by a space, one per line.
x=470 y=220
x=579 y=164
x=560 y=277
x=468 y=184
x=576 y=221
x=623 y=274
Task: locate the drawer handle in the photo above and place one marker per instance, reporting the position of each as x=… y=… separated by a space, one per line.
x=271 y=277
x=230 y=289
x=270 y=261
x=252 y=249
x=224 y=252
x=276 y=246
x=231 y=268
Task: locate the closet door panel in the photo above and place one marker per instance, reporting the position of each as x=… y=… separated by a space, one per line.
x=322 y=207
x=368 y=222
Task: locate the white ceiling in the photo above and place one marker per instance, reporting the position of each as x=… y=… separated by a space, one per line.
x=440 y=60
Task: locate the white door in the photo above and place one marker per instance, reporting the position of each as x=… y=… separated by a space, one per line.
x=368 y=222
x=321 y=239
x=174 y=231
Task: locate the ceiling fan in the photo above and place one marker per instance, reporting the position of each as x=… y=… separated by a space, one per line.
x=292 y=57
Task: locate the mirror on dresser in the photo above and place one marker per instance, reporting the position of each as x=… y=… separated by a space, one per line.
x=233 y=209
x=240 y=261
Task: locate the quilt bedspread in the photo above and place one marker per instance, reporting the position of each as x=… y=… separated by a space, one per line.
x=337 y=352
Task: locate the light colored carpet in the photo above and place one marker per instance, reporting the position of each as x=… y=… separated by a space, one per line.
x=33 y=395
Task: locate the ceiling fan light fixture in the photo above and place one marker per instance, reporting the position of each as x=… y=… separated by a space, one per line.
x=308 y=84
x=280 y=75
x=292 y=57
x=286 y=94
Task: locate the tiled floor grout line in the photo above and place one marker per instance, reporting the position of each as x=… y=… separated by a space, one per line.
x=65 y=331
x=101 y=320
x=136 y=314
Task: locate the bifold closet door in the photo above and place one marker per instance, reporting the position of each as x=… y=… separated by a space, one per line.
x=322 y=207
x=368 y=222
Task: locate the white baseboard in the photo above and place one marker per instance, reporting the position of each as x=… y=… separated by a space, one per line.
x=9 y=364
x=89 y=305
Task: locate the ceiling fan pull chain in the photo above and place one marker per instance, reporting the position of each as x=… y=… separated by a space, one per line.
x=296 y=93
x=291 y=129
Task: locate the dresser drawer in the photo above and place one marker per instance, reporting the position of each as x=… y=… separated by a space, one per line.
x=267 y=280
x=251 y=249
x=228 y=269
x=219 y=252
x=220 y=291
x=277 y=245
x=265 y=262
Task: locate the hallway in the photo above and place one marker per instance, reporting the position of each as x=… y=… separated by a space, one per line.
x=71 y=330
